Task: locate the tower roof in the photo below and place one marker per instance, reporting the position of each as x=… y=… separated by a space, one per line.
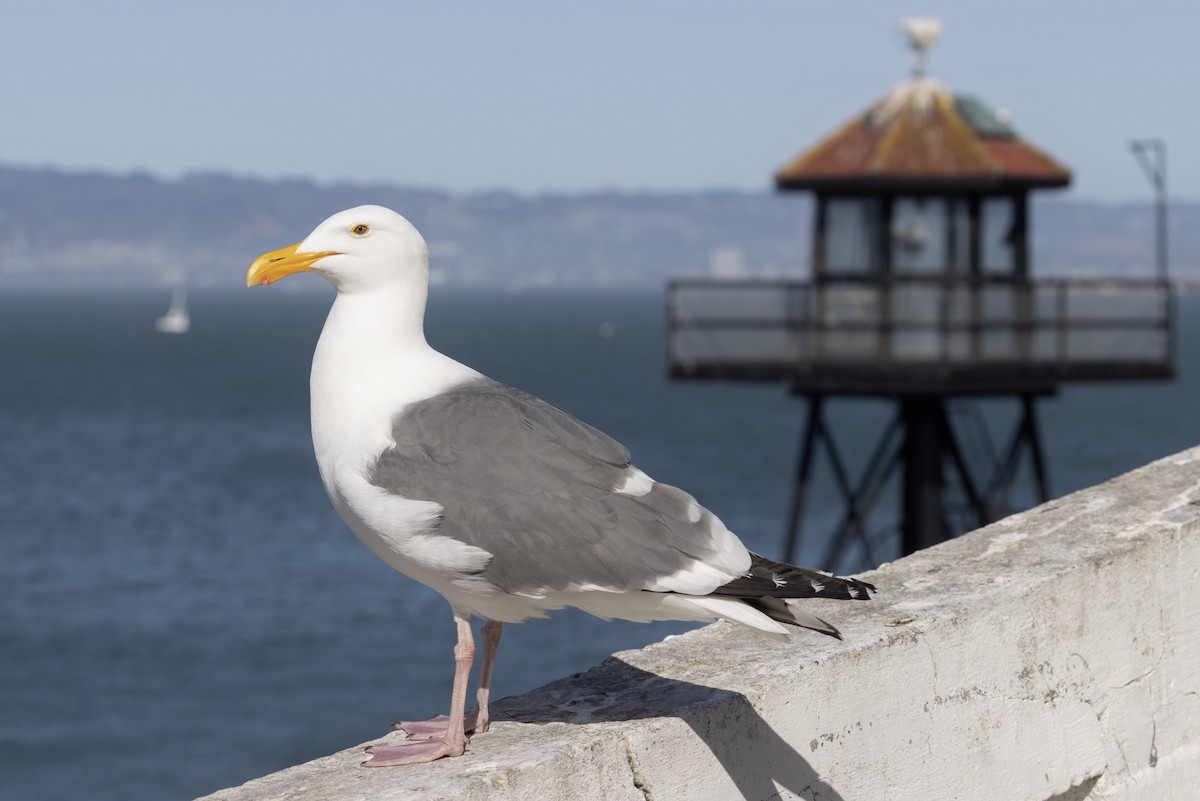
x=920 y=136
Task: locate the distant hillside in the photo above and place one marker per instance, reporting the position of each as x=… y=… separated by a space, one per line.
x=94 y=229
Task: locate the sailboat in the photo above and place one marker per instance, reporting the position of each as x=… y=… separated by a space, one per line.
x=176 y=320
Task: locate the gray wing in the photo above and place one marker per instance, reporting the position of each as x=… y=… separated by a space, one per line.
x=536 y=488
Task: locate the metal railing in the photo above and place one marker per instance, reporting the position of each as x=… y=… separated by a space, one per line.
x=920 y=321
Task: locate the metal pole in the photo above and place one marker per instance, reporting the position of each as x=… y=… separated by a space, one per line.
x=1152 y=156
x=1030 y=427
x=923 y=490
x=803 y=469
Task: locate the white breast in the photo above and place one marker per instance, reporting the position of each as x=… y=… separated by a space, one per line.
x=364 y=374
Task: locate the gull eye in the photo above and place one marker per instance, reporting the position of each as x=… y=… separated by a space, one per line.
x=360 y=230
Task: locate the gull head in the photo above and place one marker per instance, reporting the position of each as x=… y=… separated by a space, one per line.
x=363 y=249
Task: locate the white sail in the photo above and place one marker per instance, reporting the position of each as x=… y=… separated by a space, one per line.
x=176 y=320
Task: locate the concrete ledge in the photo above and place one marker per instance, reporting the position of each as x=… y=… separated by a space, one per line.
x=1053 y=655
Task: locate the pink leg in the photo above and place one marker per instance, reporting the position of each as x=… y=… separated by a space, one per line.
x=478 y=722
x=454 y=742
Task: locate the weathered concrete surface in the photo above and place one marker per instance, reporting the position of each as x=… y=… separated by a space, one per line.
x=1052 y=655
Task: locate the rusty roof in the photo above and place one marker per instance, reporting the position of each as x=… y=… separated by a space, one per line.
x=920 y=136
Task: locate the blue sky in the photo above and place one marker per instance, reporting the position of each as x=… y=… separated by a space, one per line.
x=568 y=96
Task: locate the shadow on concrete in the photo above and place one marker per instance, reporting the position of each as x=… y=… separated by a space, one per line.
x=751 y=753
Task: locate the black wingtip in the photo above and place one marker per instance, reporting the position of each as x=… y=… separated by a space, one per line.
x=767 y=577
x=864 y=587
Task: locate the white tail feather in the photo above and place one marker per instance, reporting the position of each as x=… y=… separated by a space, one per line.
x=733 y=609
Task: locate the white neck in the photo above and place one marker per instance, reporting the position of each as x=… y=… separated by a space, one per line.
x=372 y=361
x=387 y=315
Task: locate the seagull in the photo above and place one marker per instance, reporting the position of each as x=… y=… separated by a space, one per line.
x=504 y=504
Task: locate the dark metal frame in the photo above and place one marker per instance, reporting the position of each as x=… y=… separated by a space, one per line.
x=921 y=380
x=921 y=441
x=920 y=438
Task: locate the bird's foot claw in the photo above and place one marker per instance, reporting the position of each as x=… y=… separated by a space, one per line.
x=414 y=753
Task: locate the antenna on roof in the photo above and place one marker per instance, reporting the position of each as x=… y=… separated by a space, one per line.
x=922 y=32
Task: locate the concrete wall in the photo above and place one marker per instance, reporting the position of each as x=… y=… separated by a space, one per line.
x=1052 y=655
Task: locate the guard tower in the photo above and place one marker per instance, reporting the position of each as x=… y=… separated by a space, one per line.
x=921 y=293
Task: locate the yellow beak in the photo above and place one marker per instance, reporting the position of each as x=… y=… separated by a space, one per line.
x=270 y=267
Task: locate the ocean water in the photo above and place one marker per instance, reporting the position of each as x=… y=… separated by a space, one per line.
x=180 y=609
